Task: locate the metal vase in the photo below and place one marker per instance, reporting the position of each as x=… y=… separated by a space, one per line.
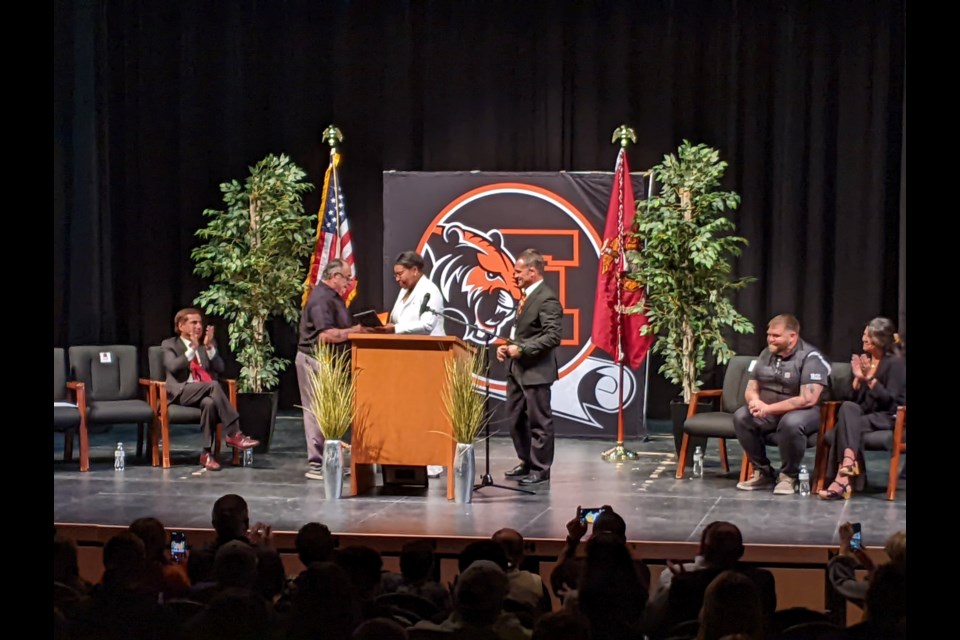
x=332 y=469
x=464 y=471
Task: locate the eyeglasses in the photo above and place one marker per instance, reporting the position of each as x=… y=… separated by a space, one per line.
x=344 y=276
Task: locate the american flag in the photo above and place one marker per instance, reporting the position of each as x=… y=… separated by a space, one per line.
x=333 y=233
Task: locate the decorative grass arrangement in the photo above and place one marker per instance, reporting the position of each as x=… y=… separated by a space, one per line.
x=465 y=406
x=333 y=391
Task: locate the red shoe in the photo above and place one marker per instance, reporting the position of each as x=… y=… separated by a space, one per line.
x=208 y=462
x=241 y=441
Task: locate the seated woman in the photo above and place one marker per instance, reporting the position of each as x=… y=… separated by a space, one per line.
x=879 y=387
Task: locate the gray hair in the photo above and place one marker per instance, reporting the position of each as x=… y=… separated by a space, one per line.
x=533 y=259
x=332 y=267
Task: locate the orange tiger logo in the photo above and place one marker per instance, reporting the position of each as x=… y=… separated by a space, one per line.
x=474 y=271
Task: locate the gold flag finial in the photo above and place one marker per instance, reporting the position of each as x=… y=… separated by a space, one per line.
x=625 y=135
x=333 y=136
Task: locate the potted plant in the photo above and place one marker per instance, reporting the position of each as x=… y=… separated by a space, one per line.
x=684 y=261
x=332 y=401
x=253 y=255
x=467 y=410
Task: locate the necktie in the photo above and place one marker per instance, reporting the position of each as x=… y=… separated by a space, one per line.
x=199 y=373
x=523 y=299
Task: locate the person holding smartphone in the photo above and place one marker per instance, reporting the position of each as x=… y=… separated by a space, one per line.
x=842 y=568
x=193 y=367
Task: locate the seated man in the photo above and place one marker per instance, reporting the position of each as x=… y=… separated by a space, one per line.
x=782 y=395
x=192 y=374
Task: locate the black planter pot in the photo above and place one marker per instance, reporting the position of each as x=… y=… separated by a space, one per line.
x=258 y=415
x=678 y=414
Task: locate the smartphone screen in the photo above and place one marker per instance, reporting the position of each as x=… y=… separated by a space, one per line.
x=589 y=514
x=856 y=540
x=178 y=545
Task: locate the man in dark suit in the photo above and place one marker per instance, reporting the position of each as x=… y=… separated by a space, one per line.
x=193 y=366
x=531 y=370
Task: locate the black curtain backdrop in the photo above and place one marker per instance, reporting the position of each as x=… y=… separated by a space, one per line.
x=157 y=103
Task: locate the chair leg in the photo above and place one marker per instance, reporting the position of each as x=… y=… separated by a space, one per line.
x=155 y=443
x=165 y=436
x=894 y=473
x=140 y=440
x=216 y=440
x=682 y=460
x=746 y=468
x=67 y=446
x=723 y=455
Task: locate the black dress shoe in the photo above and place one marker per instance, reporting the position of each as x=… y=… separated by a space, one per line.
x=535 y=478
x=519 y=470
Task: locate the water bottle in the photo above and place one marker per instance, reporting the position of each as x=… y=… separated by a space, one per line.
x=698 y=463
x=119 y=458
x=804 y=479
x=248 y=457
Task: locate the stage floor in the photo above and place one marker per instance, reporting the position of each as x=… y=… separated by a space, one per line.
x=656 y=506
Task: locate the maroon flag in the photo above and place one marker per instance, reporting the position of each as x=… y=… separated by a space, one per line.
x=614 y=331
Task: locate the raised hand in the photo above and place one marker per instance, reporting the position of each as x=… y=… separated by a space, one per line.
x=208 y=337
x=855 y=366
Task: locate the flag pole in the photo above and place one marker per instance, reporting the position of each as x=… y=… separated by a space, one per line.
x=619 y=452
x=333 y=137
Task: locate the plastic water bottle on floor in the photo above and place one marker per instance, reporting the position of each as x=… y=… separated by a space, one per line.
x=248 y=457
x=804 y=480
x=698 y=463
x=119 y=458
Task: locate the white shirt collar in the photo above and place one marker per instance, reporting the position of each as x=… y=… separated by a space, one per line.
x=532 y=288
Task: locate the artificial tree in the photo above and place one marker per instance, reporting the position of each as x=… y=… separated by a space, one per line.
x=685 y=264
x=254 y=257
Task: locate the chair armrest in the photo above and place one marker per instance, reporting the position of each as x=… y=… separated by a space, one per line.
x=79 y=396
x=151 y=386
x=232 y=391
x=697 y=395
x=900 y=427
x=828 y=416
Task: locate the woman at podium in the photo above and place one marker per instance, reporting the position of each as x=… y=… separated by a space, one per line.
x=419 y=303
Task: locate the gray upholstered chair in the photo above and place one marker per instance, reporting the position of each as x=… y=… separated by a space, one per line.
x=68 y=419
x=169 y=413
x=717 y=424
x=115 y=393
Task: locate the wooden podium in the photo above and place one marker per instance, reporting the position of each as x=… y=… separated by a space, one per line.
x=400 y=418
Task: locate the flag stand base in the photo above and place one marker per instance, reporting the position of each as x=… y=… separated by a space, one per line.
x=619 y=453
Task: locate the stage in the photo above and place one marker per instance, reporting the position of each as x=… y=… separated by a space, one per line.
x=656 y=506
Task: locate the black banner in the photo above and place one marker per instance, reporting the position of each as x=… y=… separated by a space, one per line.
x=469 y=226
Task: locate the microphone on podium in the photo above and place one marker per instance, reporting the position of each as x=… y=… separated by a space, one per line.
x=424 y=306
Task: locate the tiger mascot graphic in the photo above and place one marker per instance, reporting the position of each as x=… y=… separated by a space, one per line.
x=474 y=271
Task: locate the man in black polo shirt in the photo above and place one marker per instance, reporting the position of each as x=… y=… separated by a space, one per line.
x=325 y=318
x=783 y=396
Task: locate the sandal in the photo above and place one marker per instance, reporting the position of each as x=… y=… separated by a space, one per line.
x=849 y=470
x=832 y=494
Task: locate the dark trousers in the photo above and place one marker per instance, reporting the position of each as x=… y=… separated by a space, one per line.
x=792 y=430
x=528 y=411
x=852 y=424
x=214 y=407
